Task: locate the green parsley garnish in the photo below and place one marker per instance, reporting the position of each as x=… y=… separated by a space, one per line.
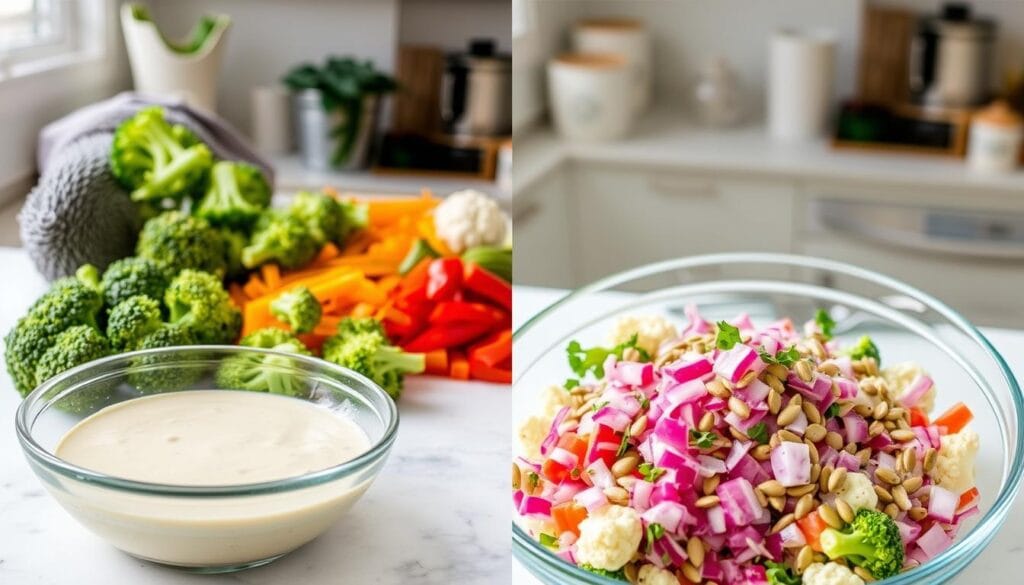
x=702 y=440
x=865 y=348
x=599 y=405
x=727 y=336
x=758 y=433
x=624 y=444
x=619 y=575
x=650 y=472
x=548 y=541
x=780 y=574
x=654 y=532
x=532 y=480
x=785 y=357
x=825 y=323
x=583 y=360
x=832 y=411
x=570 y=383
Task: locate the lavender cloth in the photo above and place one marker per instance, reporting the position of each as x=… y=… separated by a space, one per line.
x=78 y=213
x=224 y=141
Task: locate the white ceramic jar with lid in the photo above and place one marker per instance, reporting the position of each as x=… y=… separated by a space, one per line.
x=995 y=139
x=620 y=36
x=590 y=96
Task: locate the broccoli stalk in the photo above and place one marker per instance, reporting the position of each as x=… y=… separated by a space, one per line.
x=362 y=345
x=237 y=195
x=871 y=541
x=158 y=160
x=298 y=308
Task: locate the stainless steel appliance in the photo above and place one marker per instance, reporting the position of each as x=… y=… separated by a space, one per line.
x=476 y=93
x=950 y=58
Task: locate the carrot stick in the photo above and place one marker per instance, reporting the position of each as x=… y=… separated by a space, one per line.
x=254 y=287
x=271 y=276
x=237 y=294
x=437 y=362
x=459 y=365
x=328 y=252
x=363 y=309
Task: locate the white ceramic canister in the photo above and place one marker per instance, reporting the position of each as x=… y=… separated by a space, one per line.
x=620 y=36
x=270 y=119
x=995 y=139
x=591 y=96
x=800 y=84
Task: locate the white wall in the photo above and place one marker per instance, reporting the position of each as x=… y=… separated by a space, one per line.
x=546 y=37
x=268 y=37
x=450 y=24
x=29 y=103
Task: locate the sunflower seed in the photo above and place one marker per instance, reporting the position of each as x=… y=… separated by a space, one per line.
x=738 y=434
x=788 y=415
x=617 y=495
x=837 y=479
x=632 y=573
x=778 y=370
x=887 y=475
x=800 y=490
x=638 y=426
x=829 y=515
x=826 y=473
x=863 y=574
x=834 y=440
x=912 y=484
x=717 y=389
x=917 y=513
x=707 y=422
x=625 y=465
x=783 y=522
x=789 y=436
x=929 y=459
x=710 y=484
x=868 y=387
x=881 y=409
x=691 y=573
x=517 y=476
x=761 y=498
x=746 y=379
x=777 y=502
x=828 y=368
x=876 y=428
x=811 y=412
x=883 y=494
x=909 y=458
x=812 y=450
x=844 y=510
x=772 y=487
x=896 y=413
x=738 y=407
x=695 y=551
x=804 y=558
x=815 y=432
x=899 y=496
x=892 y=510
x=803 y=370
x=903 y=435
x=864 y=455
x=815 y=470
x=774 y=401
x=803 y=506
x=626 y=481
x=707 y=501
x=761 y=452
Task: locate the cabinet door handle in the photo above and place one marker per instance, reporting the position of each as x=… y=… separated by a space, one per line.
x=524 y=213
x=682 y=188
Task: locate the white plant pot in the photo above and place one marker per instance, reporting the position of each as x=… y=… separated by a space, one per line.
x=157 y=69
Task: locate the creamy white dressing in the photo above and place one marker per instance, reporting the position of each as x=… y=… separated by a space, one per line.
x=211 y=437
x=207 y=438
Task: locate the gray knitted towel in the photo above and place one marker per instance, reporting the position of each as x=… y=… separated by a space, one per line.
x=78 y=213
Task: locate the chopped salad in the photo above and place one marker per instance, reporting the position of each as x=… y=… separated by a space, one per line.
x=728 y=453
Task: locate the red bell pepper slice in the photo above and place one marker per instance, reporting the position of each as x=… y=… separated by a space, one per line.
x=567 y=517
x=954 y=419
x=487 y=285
x=918 y=417
x=459 y=365
x=463 y=312
x=494 y=349
x=444 y=336
x=444 y=278
x=481 y=371
x=413 y=287
x=967 y=499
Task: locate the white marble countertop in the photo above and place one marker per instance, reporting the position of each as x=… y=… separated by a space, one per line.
x=666 y=138
x=436 y=514
x=1001 y=563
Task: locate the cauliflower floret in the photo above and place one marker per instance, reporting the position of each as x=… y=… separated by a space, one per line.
x=469 y=218
x=651 y=575
x=900 y=375
x=858 y=491
x=830 y=574
x=954 y=467
x=609 y=538
x=651 y=331
x=533 y=430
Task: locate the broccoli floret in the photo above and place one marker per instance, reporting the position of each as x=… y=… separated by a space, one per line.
x=148 y=376
x=158 y=160
x=234 y=242
x=73 y=346
x=128 y=277
x=237 y=195
x=320 y=213
x=298 y=308
x=176 y=241
x=197 y=301
x=265 y=373
x=89 y=276
x=780 y=574
x=132 y=320
x=354 y=217
x=281 y=238
x=66 y=304
x=619 y=575
x=865 y=348
x=362 y=345
x=871 y=541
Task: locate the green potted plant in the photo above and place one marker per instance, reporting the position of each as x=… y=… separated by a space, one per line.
x=336 y=108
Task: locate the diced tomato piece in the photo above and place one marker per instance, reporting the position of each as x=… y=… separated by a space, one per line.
x=604 y=444
x=567 y=517
x=968 y=499
x=918 y=417
x=954 y=419
x=812 y=526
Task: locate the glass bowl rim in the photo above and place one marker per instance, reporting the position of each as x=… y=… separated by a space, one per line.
x=43 y=456
x=960 y=552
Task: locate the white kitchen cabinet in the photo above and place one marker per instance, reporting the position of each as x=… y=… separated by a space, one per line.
x=541 y=233
x=628 y=216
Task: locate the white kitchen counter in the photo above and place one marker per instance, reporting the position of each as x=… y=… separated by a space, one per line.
x=1000 y=564
x=436 y=514
x=665 y=138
